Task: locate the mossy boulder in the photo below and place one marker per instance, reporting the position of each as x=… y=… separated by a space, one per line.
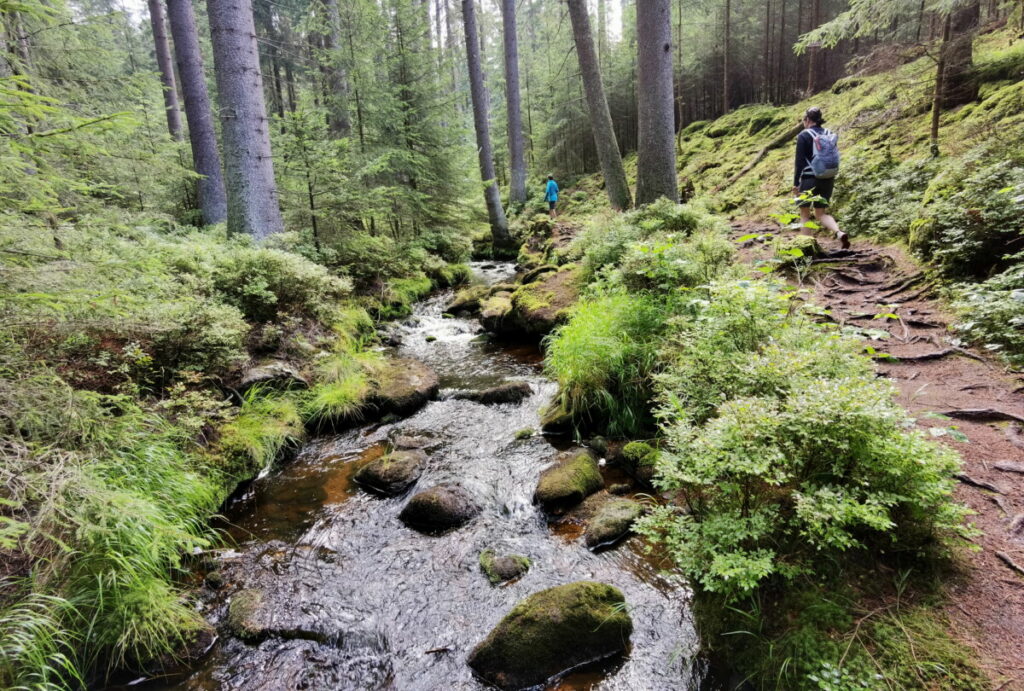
x=243 y=615
x=402 y=387
x=612 y=522
x=274 y=374
x=797 y=248
x=467 y=300
x=440 y=509
x=392 y=474
x=504 y=568
x=534 y=274
x=573 y=478
x=555 y=418
x=552 y=632
x=639 y=460
x=511 y=392
x=540 y=306
x=496 y=313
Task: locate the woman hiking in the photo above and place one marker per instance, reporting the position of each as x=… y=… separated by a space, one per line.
x=815 y=173
x=551 y=195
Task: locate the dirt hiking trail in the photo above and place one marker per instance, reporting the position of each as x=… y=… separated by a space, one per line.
x=970 y=391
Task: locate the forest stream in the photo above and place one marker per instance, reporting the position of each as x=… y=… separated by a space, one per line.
x=353 y=599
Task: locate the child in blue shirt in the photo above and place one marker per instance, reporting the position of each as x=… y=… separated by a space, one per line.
x=551 y=195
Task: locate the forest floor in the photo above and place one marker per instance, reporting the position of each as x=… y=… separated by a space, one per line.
x=972 y=403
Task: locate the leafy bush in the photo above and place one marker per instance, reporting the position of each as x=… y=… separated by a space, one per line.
x=786 y=450
x=992 y=313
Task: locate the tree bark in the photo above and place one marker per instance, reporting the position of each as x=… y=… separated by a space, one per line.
x=500 y=236
x=252 y=193
x=600 y=118
x=812 y=51
x=725 y=56
x=656 y=154
x=940 y=75
x=337 y=80
x=958 y=84
x=516 y=145
x=205 y=157
x=166 y=67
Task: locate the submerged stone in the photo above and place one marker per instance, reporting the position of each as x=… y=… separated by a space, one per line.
x=512 y=392
x=504 y=568
x=612 y=522
x=440 y=509
x=575 y=476
x=393 y=473
x=552 y=632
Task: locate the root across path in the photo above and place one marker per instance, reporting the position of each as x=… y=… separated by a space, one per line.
x=966 y=400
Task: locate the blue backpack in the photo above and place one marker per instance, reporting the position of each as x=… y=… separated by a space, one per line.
x=825 y=163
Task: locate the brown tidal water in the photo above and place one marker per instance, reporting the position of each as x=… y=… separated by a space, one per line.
x=356 y=600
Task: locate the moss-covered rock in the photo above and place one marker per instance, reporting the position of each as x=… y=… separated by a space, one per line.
x=511 y=392
x=534 y=274
x=496 y=313
x=555 y=418
x=638 y=459
x=502 y=569
x=551 y=632
x=798 y=247
x=402 y=387
x=243 y=615
x=612 y=522
x=393 y=473
x=467 y=300
x=574 y=477
x=274 y=374
x=440 y=509
x=540 y=306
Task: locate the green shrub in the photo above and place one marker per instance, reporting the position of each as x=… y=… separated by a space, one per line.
x=992 y=313
x=666 y=264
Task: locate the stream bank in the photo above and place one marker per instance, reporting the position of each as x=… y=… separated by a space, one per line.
x=332 y=590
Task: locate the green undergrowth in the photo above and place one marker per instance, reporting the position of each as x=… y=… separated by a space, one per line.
x=122 y=340
x=793 y=472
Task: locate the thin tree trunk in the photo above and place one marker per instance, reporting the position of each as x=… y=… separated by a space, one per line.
x=252 y=193
x=958 y=84
x=726 y=48
x=516 y=146
x=166 y=67
x=602 y=34
x=656 y=154
x=205 y=157
x=812 y=52
x=337 y=79
x=940 y=75
x=600 y=118
x=500 y=236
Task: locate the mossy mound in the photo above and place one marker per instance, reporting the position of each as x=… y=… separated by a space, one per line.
x=242 y=618
x=574 y=477
x=797 y=248
x=392 y=474
x=612 y=522
x=440 y=509
x=542 y=305
x=502 y=569
x=402 y=387
x=496 y=313
x=551 y=632
x=467 y=300
x=638 y=459
x=556 y=419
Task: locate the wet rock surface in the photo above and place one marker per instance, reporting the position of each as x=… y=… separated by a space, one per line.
x=512 y=392
x=612 y=522
x=393 y=473
x=403 y=387
x=572 y=479
x=500 y=569
x=553 y=631
x=439 y=509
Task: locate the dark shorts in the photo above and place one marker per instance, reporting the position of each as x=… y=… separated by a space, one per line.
x=551 y=204
x=819 y=188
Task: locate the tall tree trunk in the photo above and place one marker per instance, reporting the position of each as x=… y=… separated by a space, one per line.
x=500 y=236
x=940 y=74
x=602 y=34
x=656 y=153
x=958 y=83
x=516 y=145
x=252 y=193
x=166 y=67
x=337 y=79
x=205 y=157
x=726 y=48
x=812 y=51
x=600 y=117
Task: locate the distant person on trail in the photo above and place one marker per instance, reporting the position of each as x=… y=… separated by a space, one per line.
x=551 y=195
x=817 y=163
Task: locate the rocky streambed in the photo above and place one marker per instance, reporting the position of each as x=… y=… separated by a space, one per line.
x=381 y=558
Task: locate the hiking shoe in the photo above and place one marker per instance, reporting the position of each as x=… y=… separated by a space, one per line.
x=844 y=240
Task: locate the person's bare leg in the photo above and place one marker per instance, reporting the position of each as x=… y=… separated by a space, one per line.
x=805 y=215
x=826 y=219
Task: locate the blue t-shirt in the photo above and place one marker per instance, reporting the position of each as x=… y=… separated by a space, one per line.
x=551 y=194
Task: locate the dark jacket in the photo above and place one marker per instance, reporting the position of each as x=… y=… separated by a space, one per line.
x=804 y=154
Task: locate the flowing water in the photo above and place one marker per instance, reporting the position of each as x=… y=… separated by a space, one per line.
x=359 y=601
